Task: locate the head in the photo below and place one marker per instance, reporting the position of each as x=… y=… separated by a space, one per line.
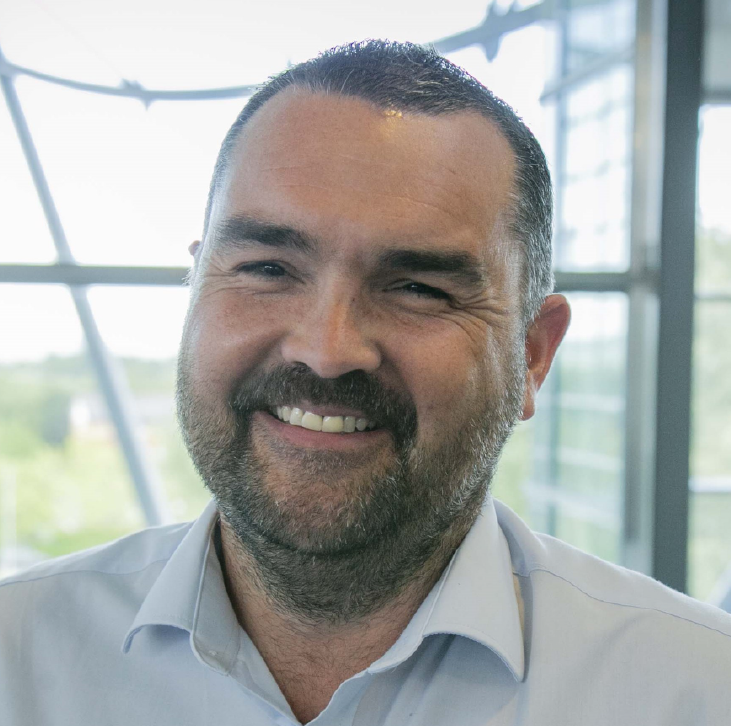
x=363 y=259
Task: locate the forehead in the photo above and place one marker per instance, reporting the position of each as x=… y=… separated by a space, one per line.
x=339 y=168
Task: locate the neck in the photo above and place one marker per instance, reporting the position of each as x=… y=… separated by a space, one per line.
x=318 y=620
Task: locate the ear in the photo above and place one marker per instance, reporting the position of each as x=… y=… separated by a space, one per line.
x=195 y=250
x=541 y=341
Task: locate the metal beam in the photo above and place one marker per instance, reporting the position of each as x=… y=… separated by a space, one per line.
x=593 y=281
x=676 y=300
x=493 y=27
x=111 y=378
x=587 y=71
x=75 y=275
x=127 y=89
x=717 y=96
x=713 y=297
x=641 y=365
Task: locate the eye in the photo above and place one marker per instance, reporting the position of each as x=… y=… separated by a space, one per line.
x=419 y=289
x=262 y=269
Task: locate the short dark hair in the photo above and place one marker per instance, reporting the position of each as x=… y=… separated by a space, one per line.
x=411 y=77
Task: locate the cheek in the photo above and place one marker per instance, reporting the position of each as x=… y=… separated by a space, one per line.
x=452 y=375
x=442 y=374
x=223 y=339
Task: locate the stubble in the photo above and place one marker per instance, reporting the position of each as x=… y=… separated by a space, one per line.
x=387 y=522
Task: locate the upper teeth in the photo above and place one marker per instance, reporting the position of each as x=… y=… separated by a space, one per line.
x=329 y=424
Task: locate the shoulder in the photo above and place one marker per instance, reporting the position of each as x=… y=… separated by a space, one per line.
x=587 y=583
x=68 y=608
x=63 y=625
x=128 y=556
x=617 y=644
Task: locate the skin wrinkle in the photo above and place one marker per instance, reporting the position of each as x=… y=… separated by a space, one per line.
x=239 y=231
x=388 y=164
x=498 y=314
x=324 y=145
x=371 y=162
x=464 y=285
x=238 y=228
x=216 y=231
x=371 y=193
x=250 y=233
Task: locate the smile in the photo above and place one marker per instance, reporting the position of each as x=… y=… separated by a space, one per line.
x=326 y=424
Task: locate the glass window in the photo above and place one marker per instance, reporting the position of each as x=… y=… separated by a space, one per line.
x=710 y=465
x=717 y=50
x=130 y=183
x=24 y=235
x=594 y=173
x=573 y=487
x=142 y=328
x=63 y=482
x=564 y=471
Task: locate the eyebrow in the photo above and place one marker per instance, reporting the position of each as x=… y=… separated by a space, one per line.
x=242 y=232
x=462 y=266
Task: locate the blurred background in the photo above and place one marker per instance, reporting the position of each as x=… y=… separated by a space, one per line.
x=110 y=121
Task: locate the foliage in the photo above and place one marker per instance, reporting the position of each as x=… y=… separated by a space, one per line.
x=70 y=484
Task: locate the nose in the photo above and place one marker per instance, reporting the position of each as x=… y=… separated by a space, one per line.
x=331 y=337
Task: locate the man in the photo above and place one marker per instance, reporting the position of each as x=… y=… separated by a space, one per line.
x=370 y=315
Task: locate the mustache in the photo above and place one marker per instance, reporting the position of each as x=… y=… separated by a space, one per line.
x=284 y=385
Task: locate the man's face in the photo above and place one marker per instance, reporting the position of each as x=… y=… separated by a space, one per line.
x=357 y=265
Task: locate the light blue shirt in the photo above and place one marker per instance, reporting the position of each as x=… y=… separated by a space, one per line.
x=520 y=629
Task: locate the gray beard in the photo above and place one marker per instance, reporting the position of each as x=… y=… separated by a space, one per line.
x=400 y=526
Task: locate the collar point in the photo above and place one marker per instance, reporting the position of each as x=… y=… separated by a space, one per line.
x=128 y=640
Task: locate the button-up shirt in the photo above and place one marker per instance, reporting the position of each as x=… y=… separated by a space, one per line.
x=520 y=629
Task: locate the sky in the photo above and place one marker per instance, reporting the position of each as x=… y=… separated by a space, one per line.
x=130 y=182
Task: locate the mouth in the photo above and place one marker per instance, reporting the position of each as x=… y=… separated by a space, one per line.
x=322 y=422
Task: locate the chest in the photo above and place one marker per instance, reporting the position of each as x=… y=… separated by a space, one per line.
x=450 y=681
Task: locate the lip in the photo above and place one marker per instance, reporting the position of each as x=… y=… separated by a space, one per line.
x=305 y=438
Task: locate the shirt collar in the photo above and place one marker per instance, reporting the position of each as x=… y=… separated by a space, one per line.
x=475 y=598
x=190 y=594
